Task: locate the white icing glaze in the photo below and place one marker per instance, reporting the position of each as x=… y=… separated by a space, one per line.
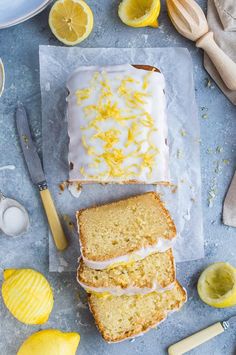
x=74 y=190
x=129 y=291
x=161 y=246
x=155 y=106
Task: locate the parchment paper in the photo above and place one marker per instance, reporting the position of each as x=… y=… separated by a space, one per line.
x=184 y=203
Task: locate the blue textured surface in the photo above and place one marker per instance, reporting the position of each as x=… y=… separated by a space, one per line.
x=19 y=51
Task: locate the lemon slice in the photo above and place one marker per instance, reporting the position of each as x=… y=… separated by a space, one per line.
x=217 y=285
x=71 y=21
x=27 y=295
x=50 y=342
x=2 y=77
x=139 y=13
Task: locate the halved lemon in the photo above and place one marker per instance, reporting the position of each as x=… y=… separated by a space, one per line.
x=71 y=21
x=217 y=285
x=2 y=77
x=139 y=13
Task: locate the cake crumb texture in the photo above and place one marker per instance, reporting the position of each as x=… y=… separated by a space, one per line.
x=122 y=317
x=157 y=268
x=123 y=227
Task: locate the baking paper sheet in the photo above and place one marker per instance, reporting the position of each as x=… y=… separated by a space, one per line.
x=184 y=203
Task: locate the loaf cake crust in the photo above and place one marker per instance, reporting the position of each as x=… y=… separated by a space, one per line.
x=122 y=317
x=124 y=230
x=117 y=125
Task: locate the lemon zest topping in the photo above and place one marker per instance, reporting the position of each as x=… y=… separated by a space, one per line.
x=82 y=95
x=145 y=80
x=110 y=137
x=107 y=108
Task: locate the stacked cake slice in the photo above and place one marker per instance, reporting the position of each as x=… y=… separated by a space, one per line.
x=127 y=265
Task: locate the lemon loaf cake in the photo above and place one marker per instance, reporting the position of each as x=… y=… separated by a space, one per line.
x=154 y=273
x=117 y=125
x=122 y=317
x=124 y=230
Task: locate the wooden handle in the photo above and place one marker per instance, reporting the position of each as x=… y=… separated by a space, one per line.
x=53 y=220
x=224 y=65
x=195 y=340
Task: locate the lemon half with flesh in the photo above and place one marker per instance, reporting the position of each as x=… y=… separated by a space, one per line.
x=50 y=342
x=27 y=295
x=217 y=285
x=71 y=21
x=139 y=13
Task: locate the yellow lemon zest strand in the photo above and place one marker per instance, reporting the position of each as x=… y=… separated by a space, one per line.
x=110 y=137
x=82 y=95
x=145 y=80
x=148 y=120
x=132 y=132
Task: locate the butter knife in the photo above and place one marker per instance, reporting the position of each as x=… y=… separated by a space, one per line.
x=201 y=337
x=36 y=172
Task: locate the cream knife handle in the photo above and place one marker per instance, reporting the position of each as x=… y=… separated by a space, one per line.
x=53 y=220
x=196 y=339
x=225 y=66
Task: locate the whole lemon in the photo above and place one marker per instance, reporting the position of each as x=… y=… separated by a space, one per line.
x=27 y=295
x=50 y=342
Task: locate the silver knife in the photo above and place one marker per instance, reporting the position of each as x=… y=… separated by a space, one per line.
x=34 y=165
x=201 y=337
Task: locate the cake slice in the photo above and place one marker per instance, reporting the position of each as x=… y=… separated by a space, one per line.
x=125 y=230
x=117 y=125
x=154 y=273
x=122 y=317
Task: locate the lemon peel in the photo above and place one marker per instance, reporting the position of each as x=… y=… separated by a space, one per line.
x=217 y=285
x=27 y=295
x=139 y=13
x=50 y=342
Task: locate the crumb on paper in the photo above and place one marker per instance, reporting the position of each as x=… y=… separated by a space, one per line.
x=212 y=193
x=219 y=149
x=209 y=150
x=174 y=189
x=208 y=83
x=63 y=185
x=225 y=161
x=179 y=154
x=198 y=140
x=204 y=108
x=205 y=116
x=47 y=86
x=183 y=133
x=218 y=167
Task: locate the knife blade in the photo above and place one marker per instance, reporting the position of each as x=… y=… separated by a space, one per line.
x=32 y=159
x=37 y=175
x=229 y=322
